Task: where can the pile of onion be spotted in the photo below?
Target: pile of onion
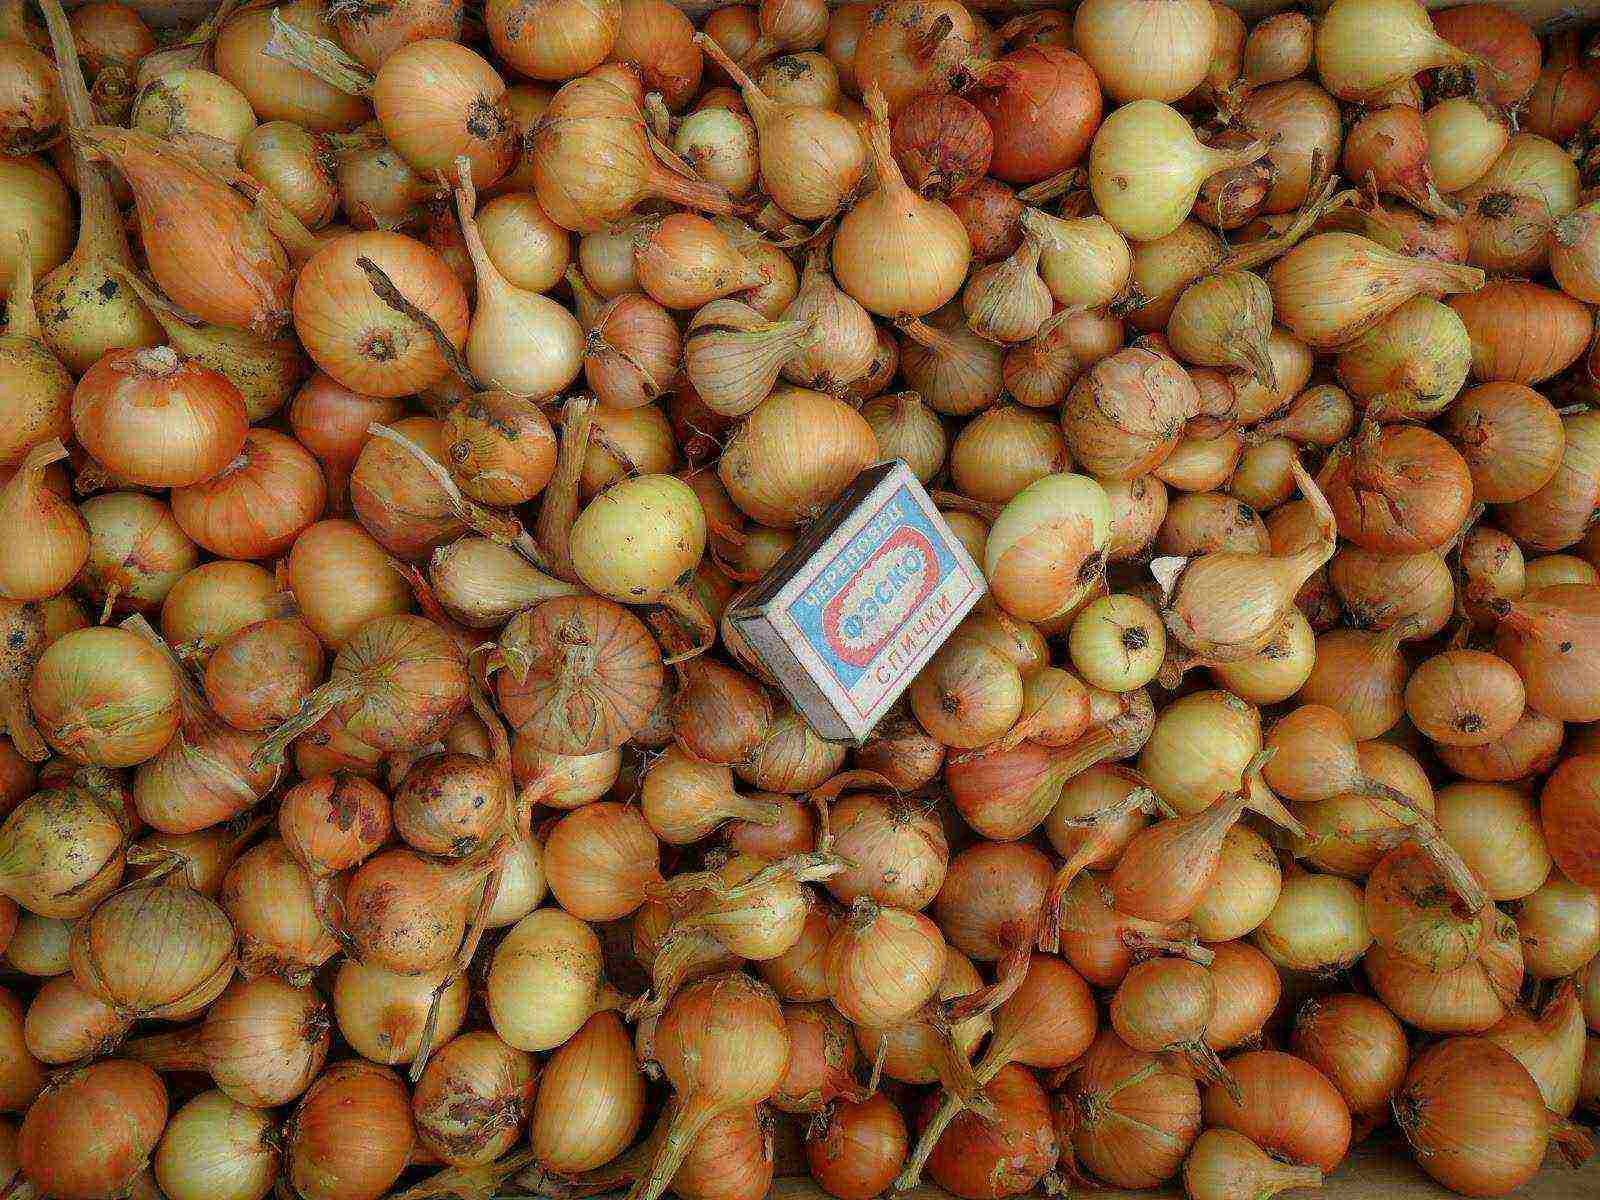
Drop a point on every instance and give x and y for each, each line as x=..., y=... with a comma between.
x=401, y=415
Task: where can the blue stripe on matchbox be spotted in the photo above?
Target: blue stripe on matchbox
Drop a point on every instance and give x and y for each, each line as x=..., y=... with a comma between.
x=892, y=587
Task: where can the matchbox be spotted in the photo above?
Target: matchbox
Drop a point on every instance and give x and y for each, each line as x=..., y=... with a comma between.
x=849, y=615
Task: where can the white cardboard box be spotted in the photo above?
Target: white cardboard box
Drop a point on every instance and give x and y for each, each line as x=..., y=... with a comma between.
x=846, y=619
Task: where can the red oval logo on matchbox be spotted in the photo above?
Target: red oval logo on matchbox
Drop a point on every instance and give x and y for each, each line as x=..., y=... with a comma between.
x=881, y=596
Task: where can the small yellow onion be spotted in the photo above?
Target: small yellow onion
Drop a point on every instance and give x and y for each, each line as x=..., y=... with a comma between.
x=906, y=428
x=1003, y=450
x=215, y=1148
x=1125, y=415
x=1147, y=49
x=732, y=355
x=1146, y=167
x=1333, y=287
x=812, y=159
x=1083, y=261
x=1223, y=320
x=1117, y=643
x=1410, y=365
x=1199, y=749
x=1318, y=924
x=793, y=455
x=1046, y=549
x=1465, y=136
x=968, y=694
x=639, y=542
x=1226, y=606
x=897, y=253
x=1575, y=253
x=519, y=341
x=1006, y=301
x=1244, y=890
x=1366, y=47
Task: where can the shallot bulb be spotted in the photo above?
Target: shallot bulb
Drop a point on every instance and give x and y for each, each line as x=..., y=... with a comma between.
x=895, y=252
x=1333, y=287
x=592, y=163
x=1225, y=605
x=1167, y=867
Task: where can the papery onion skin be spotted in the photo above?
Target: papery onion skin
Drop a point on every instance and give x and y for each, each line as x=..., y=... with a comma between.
x=350, y=1135
x=137, y=551
x=1044, y=109
x=24, y=1074
x=472, y=1099
x=1465, y=697
x=1125, y=415
x=76, y=685
x=1333, y=287
x=272, y=902
x=1474, y=1117
x=1046, y=550
x=896, y=253
x=1569, y=808
x=591, y=163
x=1470, y=999
x=1502, y=317
x=92, y=1132
x=989, y=1162
x=1146, y=50
x=560, y=957
x=396, y=684
x=1137, y=1116
x=258, y=504
x=1497, y=832
x=1358, y=1044
x=1146, y=167
x=185, y=951
x=357, y=339
x=882, y=964
x=65, y=851
x=153, y=419
x=382, y=1015
x=1289, y=1107
x=590, y=674
x=594, y=1067
x=777, y=486
x=368, y=586
x=224, y=266
x=215, y=1148
x=1401, y=490
x=860, y=1150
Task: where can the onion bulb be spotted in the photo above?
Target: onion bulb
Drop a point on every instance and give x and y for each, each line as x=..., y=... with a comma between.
x=1333, y=287
x=1224, y=1165
x=49, y=542
x=1046, y=549
x=92, y=1132
x=519, y=341
x=350, y=1135
x=1366, y=47
x=895, y=252
x=1146, y=167
x=1286, y=1106
x=1146, y=49
x=1475, y=1119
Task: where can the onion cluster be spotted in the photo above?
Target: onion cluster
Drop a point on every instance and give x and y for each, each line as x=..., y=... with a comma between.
x=394, y=399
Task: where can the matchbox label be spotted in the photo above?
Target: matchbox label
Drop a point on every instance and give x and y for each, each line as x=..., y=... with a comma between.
x=899, y=576
x=869, y=611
